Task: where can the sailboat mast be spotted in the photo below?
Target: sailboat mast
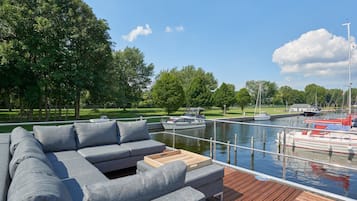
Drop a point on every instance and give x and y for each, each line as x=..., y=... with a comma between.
x=349, y=68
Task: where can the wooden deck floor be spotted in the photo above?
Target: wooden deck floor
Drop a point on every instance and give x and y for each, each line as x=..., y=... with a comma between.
x=243, y=186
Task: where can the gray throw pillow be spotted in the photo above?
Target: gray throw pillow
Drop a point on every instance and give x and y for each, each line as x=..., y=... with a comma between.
x=56, y=138
x=140, y=187
x=17, y=135
x=133, y=131
x=35, y=186
x=28, y=148
x=93, y=134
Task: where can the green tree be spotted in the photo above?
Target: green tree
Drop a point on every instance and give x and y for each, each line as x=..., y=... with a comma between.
x=269, y=89
x=243, y=98
x=58, y=47
x=132, y=76
x=334, y=97
x=315, y=94
x=188, y=74
x=224, y=96
x=199, y=93
x=167, y=92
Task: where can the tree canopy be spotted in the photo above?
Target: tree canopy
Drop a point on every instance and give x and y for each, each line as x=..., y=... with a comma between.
x=205, y=82
x=243, y=98
x=224, y=96
x=168, y=93
x=132, y=76
x=54, y=51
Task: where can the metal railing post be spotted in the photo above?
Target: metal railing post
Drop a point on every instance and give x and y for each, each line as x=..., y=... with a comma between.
x=235, y=148
x=210, y=147
x=214, y=138
x=284, y=157
x=252, y=146
x=228, y=152
x=173, y=139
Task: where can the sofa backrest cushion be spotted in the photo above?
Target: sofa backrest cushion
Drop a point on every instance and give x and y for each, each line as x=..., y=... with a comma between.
x=28, y=148
x=56, y=138
x=17, y=135
x=93, y=134
x=133, y=131
x=33, y=165
x=144, y=186
x=33, y=185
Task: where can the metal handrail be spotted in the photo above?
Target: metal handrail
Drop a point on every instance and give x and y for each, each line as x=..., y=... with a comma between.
x=253, y=149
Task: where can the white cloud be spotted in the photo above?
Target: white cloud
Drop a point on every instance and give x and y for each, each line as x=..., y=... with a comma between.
x=139, y=30
x=179, y=28
x=168, y=29
x=315, y=53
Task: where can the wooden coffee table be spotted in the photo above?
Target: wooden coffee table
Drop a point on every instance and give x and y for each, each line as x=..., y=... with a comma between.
x=192, y=160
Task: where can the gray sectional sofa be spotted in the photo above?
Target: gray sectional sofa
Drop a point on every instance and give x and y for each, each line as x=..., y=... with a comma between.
x=67, y=163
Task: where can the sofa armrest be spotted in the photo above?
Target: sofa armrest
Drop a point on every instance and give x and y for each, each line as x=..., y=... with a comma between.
x=187, y=194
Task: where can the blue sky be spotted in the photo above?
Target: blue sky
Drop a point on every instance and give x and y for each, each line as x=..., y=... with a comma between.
x=291, y=43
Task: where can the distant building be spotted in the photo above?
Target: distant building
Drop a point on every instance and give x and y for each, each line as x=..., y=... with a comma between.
x=301, y=108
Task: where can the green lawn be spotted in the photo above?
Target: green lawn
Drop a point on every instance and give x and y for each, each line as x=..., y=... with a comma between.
x=212, y=113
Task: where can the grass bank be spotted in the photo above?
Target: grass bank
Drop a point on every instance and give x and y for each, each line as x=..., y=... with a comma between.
x=114, y=113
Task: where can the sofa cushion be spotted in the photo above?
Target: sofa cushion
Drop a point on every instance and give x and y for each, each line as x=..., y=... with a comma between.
x=104, y=153
x=196, y=177
x=36, y=187
x=133, y=131
x=72, y=165
x=17, y=135
x=4, y=165
x=56, y=138
x=33, y=165
x=204, y=175
x=145, y=186
x=94, y=134
x=28, y=148
x=187, y=194
x=144, y=147
x=63, y=155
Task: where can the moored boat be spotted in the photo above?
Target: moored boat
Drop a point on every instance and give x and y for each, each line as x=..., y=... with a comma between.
x=191, y=119
x=332, y=135
x=260, y=115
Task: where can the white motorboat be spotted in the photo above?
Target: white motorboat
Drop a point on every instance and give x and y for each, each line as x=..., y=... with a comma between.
x=332, y=135
x=260, y=116
x=191, y=119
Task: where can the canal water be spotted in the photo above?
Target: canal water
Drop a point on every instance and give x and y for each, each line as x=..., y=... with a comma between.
x=332, y=178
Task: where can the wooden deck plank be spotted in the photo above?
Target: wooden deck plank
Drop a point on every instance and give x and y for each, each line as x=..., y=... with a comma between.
x=243, y=186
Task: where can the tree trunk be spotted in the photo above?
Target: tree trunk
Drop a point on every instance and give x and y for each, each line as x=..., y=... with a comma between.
x=40, y=109
x=7, y=101
x=30, y=114
x=46, y=104
x=77, y=104
x=60, y=113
